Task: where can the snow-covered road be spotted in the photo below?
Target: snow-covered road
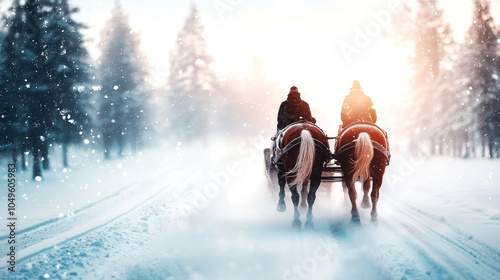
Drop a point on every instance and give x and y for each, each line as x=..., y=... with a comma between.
x=214, y=218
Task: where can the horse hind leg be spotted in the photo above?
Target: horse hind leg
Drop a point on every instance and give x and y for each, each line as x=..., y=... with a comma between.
x=295, y=199
x=355, y=219
x=311, y=197
x=377, y=183
x=303, y=195
x=365, y=203
x=346, y=192
x=281, y=207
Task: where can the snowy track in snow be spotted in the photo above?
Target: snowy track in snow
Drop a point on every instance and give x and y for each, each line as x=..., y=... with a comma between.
x=41, y=237
x=445, y=247
x=141, y=232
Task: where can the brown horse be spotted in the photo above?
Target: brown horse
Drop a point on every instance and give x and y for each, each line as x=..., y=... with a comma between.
x=303, y=149
x=362, y=150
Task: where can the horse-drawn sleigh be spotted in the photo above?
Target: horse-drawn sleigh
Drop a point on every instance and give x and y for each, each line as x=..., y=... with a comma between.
x=301, y=154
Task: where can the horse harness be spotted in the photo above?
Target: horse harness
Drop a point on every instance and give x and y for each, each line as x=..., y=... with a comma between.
x=376, y=146
x=279, y=153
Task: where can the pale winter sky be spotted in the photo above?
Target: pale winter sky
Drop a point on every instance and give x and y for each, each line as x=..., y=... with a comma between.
x=299, y=42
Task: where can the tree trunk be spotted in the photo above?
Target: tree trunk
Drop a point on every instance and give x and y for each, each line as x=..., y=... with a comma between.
x=432, y=146
x=14, y=156
x=490, y=145
x=65, y=144
x=497, y=148
x=107, y=146
x=483, y=146
x=23, y=159
x=454, y=144
x=134, y=147
x=37, y=171
x=120, y=145
x=460, y=147
x=65, y=154
x=45, y=154
x=473, y=146
x=468, y=144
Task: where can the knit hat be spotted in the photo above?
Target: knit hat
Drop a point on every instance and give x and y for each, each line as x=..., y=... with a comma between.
x=294, y=89
x=356, y=85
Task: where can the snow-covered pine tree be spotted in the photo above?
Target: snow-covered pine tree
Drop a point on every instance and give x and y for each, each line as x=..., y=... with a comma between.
x=430, y=37
x=192, y=85
x=27, y=79
x=68, y=63
x=10, y=121
x=123, y=101
x=467, y=120
x=450, y=111
x=479, y=68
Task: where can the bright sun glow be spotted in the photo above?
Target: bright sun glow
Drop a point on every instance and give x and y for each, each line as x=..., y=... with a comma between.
x=298, y=44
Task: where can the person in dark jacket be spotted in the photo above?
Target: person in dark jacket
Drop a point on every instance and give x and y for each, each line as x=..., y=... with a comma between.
x=293, y=109
x=357, y=106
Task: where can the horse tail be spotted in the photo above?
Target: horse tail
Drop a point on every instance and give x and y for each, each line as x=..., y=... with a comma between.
x=364, y=155
x=305, y=160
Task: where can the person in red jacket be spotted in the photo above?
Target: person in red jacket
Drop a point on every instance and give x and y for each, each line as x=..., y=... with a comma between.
x=357, y=107
x=293, y=109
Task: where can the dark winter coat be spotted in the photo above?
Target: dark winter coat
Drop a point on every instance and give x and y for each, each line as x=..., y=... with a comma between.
x=357, y=107
x=293, y=109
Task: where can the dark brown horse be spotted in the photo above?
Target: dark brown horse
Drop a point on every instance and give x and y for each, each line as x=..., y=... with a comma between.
x=303, y=149
x=362, y=150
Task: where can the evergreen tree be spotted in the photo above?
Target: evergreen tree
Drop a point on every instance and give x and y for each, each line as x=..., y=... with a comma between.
x=68, y=63
x=43, y=59
x=27, y=79
x=16, y=71
x=431, y=38
x=480, y=71
x=123, y=100
x=452, y=120
x=8, y=104
x=193, y=89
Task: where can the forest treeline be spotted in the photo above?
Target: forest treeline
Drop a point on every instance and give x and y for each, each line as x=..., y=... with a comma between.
x=453, y=104
x=52, y=93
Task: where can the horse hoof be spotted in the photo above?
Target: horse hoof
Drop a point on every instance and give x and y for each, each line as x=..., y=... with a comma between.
x=355, y=222
x=365, y=204
x=374, y=220
x=281, y=207
x=296, y=224
x=309, y=225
